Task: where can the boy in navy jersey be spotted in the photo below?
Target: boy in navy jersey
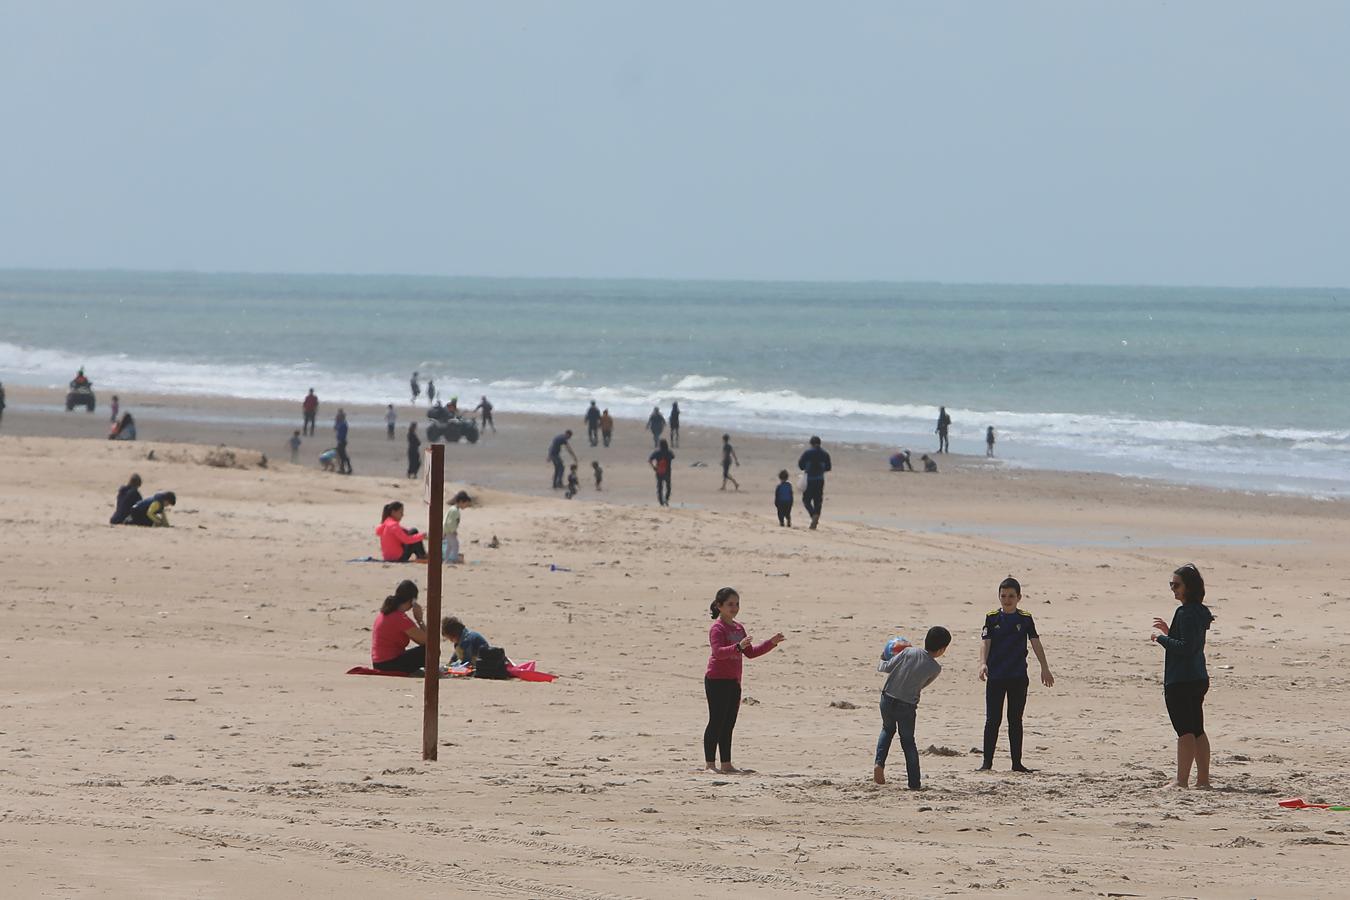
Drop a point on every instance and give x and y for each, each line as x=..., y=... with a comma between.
x=1003, y=669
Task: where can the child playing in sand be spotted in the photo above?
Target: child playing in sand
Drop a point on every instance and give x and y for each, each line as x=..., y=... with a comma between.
x=450, y=534
x=909, y=672
x=573, y=483
x=1003, y=669
x=782, y=499
x=929, y=464
x=722, y=680
x=328, y=459
x=467, y=644
x=599, y=473
x=295, y=447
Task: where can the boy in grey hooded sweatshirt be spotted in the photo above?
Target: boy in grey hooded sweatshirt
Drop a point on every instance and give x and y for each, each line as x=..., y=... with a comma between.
x=909, y=672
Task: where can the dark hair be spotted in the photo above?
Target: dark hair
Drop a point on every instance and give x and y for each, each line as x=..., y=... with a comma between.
x=405, y=591
x=937, y=639
x=134, y=480
x=462, y=497
x=726, y=437
x=723, y=595
x=1011, y=582
x=568, y=432
x=815, y=440
x=783, y=475
x=171, y=498
x=452, y=626
x=1195, y=584
x=665, y=444
x=389, y=508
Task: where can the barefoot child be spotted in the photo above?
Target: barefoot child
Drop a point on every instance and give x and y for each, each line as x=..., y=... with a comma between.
x=573, y=482
x=1003, y=669
x=722, y=680
x=910, y=671
x=599, y=473
x=450, y=530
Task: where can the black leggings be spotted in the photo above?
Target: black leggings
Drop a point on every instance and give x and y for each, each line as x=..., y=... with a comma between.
x=785, y=514
x=418, y=550
x=724, y=702
x=409, y=660
x=663, y=498
x=813, y=498
x=995, y=689
x=1186, y=706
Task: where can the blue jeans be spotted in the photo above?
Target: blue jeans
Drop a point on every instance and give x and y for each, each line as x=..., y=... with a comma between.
x=899, y=715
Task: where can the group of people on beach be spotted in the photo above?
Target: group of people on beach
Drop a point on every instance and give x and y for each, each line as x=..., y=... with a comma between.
x=398, y=636
x=1005, y=636
x=130, y=508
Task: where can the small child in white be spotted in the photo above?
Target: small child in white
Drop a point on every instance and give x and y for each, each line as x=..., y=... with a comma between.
x=450, y=534
x=910, y=671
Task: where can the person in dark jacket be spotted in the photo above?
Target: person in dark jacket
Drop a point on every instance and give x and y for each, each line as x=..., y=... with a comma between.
x=414, y=451
x=593, y=424
x=1185, y=678
x=128, y=495
x=944, y=422
x=152, y=512
x=674, y=424
x=782, y=499
x=656, y=423
x=815, y=462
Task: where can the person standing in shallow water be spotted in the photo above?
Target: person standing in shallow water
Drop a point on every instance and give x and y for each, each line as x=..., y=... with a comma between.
x=1185, y=678
x=416, y=388
x=1003, y=669
x=989, y=441
x=944, y=422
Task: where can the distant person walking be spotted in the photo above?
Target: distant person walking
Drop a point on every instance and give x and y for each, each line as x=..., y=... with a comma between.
x=485, y=408
x=728, y=457
x=675, y=424
x=606, y=426
x=555, y=449
x=782, y=499
x=2, y=406
x=989, y=441
x=656, y=423
x=310, y=408
x=431, y=391
x=593, y=424
x=414, y=451
x=943, y=423
x=1185, y=678
x=815, y=462
x=390, y=420
x=340, y=430
x=416, y=388
x=662, y=461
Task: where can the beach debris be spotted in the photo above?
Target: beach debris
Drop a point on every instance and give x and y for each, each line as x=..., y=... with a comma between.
x=935, y=750
x=842, y=704
x=150, y=455
x=777, y=574
x=169, y=737
x=557, y=568
x=494, y=543
x=221, y=458
x=749, y=701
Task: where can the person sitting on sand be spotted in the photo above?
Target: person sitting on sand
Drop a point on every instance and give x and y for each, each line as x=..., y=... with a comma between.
x=152, y=511
x=124, y=430
x=929, y=464
x=394, y=628
x=398, y=544
x=468, y=644
x=128, y=495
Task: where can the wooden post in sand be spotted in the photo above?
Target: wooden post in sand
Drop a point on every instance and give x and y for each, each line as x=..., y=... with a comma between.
x=435, y=499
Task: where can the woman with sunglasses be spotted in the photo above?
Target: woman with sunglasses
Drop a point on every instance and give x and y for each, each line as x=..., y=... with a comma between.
x=1185, y=679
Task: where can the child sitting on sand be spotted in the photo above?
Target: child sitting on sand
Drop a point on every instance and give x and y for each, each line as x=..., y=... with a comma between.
x=467, y=644
x=909, y=672
x=929, y=464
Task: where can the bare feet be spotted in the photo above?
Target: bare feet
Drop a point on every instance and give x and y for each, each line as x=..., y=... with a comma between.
x=879, y=774
x=1021, y=768
x=1203, y=786
x=729, y=769
x=1175, y=786
x=710, y=767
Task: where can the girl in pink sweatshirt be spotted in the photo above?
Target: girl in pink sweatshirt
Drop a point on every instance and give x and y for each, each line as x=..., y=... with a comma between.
x=722, y=681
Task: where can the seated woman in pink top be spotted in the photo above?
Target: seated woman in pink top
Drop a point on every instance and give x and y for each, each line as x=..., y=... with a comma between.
x=722, y=681
x=394, y=628
x=398, y=544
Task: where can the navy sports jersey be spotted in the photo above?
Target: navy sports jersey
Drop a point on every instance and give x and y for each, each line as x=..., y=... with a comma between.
x=1008, y=634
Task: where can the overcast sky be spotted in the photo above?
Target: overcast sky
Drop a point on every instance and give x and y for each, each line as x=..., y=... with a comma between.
x=1186, y=142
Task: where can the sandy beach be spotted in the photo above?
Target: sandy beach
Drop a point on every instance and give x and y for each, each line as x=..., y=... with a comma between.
x=176, y=721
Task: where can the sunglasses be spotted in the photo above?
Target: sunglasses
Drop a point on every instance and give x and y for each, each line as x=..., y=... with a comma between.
x=1174, y=584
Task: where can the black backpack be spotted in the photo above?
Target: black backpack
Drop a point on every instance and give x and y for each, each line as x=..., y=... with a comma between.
x=490, y=663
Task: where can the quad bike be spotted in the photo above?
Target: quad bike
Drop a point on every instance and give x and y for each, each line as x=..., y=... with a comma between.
x=80, y=395
x=450, y=428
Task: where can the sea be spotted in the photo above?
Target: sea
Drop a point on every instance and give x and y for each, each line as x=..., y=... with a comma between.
x=1243, y=389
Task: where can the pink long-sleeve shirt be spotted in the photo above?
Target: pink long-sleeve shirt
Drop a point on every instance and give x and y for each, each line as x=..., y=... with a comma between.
x=724, y=660
x=393, y=537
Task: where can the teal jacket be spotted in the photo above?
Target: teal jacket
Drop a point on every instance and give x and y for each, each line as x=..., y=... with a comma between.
x=1185, y=644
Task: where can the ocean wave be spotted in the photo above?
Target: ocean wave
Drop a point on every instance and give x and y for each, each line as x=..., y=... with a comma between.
x=1102, y=441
